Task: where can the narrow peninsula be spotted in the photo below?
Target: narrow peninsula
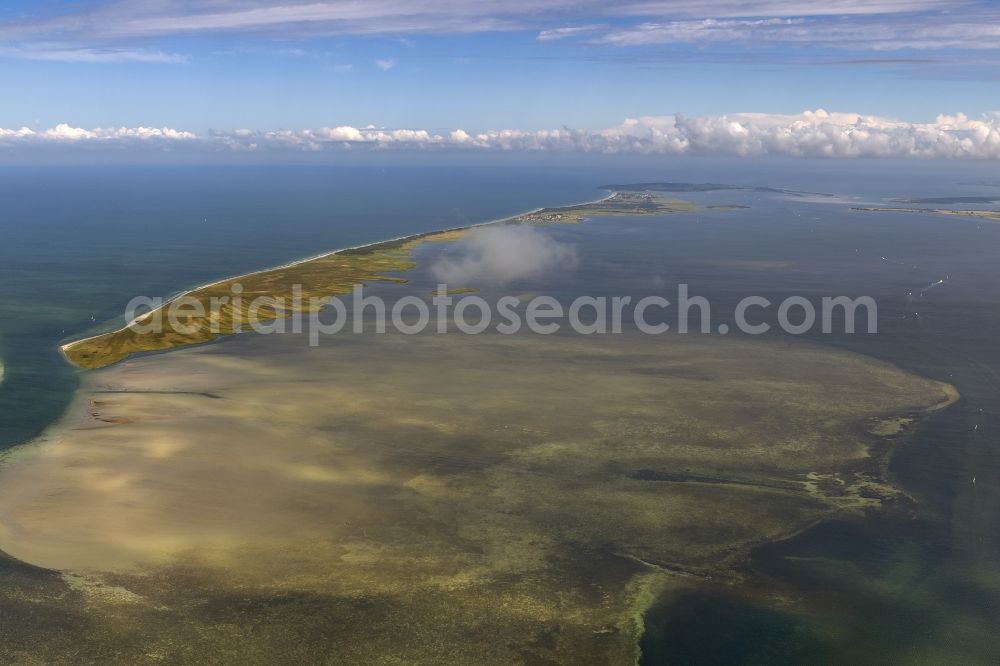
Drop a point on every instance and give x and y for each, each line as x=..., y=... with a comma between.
x=215, y=313
x=986, y=215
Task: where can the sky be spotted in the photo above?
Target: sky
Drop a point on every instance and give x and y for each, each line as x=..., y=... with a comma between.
x=836, y=78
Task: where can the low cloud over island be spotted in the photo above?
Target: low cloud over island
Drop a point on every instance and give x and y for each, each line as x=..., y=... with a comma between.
x=501, y=255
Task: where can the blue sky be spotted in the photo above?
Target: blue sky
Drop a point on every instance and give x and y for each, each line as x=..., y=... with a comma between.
x=216, y=66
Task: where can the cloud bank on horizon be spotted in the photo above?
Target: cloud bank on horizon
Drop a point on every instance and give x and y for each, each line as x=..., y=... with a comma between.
x=809, y=134
x=457, y=68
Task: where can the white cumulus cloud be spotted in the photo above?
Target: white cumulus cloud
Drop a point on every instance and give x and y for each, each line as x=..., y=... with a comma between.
x=65, y=133
x=808, y=134
x=500, y=255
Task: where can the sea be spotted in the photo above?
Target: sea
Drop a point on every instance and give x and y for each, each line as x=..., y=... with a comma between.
x=77, y=242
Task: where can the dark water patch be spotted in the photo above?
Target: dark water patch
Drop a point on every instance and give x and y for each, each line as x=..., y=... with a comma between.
x=36, y=388
x=202, y=394
x=688, y=477
x=887, y=587
x=703, y=629
x=917, y=581
x=845, y=591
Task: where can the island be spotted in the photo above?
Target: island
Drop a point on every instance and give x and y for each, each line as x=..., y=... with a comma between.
x=327, y=275
x=625, y=202
x=949, y=200
x=987, y=215
x=706, y=187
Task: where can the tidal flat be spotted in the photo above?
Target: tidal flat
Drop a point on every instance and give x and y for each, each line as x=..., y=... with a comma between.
x=391, y=499
x=426, y=499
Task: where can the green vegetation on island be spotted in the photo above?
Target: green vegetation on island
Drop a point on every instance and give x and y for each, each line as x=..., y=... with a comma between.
x=988, y=215
x=211, y=311
x=618, y=204
x=948, y=200
x=705, y=187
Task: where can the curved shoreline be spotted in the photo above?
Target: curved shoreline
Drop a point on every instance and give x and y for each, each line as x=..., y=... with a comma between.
x=322, y=255
x=637, y=595
x=227, y=306
x=668, y=601
x=951, y=394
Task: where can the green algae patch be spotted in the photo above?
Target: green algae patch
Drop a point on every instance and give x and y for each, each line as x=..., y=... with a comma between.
x=434, y=499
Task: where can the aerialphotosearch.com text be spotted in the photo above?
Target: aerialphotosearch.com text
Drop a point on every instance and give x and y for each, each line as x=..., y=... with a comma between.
x=472, y=314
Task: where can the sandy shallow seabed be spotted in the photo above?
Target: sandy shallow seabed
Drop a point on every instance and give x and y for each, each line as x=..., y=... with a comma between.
x=433, y=499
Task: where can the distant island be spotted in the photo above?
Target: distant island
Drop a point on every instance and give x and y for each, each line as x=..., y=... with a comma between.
x=988, y=215
x=620, y=203
x=705, y=187
x=949, y=200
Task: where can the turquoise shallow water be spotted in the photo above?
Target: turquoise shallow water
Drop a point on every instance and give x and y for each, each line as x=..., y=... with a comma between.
x=78, y=243
x=920, y=585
